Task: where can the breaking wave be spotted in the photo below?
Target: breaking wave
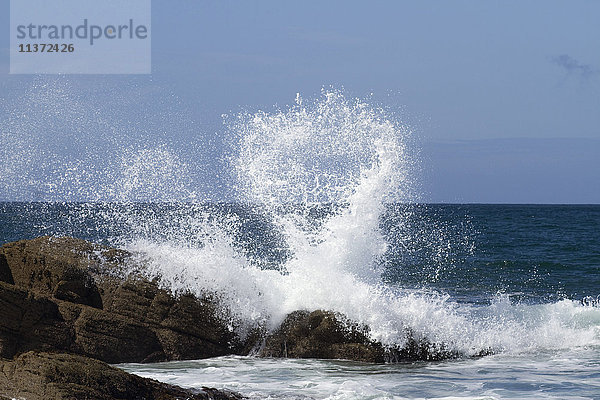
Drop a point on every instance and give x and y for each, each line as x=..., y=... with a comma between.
x=313, y=183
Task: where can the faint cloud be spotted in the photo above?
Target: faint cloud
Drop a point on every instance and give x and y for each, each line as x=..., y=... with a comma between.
x=574, y=67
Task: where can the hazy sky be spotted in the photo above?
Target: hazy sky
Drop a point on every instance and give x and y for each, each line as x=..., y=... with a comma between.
x=503, y=95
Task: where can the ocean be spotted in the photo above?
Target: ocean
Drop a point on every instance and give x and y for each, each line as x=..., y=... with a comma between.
x=523, y=280
x=325, y=215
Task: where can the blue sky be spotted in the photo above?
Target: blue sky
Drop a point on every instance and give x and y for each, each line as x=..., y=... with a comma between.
x=504, y=96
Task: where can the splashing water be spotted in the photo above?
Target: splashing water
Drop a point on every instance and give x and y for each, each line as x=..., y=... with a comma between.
x=350, y=156
x=333, y=151
x=336, y=151
x=319, y=177
x=73, y=140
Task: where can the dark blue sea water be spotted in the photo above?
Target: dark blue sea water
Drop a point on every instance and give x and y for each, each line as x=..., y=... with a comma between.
x=533, y=252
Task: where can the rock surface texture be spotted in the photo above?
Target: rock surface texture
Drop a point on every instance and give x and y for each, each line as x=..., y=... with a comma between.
x=40, y=375
x=71, y=295
x=67, y=306
x=321, y=334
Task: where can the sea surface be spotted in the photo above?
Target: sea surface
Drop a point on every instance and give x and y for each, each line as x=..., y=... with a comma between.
x=521, y=279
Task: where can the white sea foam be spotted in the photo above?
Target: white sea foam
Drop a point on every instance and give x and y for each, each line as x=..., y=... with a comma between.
x=345, y=152
x=549, y=375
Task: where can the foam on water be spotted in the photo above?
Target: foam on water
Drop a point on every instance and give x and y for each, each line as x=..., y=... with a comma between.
x=548, y=375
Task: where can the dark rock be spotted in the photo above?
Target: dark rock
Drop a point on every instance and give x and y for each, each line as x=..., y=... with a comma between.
x=41, y=375
x=55, y=267
x=186, y=326
x=422, y=349
x=113, y=338
x=419, y=350
x=69, y=296
x=30, y=322
x=5, y=274
x=321, y=334
x=77, y=296
x=329, y=335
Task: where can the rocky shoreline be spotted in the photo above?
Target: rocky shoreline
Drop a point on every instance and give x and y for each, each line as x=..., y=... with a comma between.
x=44, y=375
x=69, y=308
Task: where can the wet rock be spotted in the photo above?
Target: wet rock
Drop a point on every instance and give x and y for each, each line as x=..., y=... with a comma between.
x=42, y=375
x=321, y=334
x=5, y=274
x=419, y=350
x=55, y=267
x=28, y=321
x=329, y=335
x=72, y=295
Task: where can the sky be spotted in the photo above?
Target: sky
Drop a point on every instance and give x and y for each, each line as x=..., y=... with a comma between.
x=502, y=96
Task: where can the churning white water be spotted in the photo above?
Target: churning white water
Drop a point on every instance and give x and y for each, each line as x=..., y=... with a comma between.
x=569, y=375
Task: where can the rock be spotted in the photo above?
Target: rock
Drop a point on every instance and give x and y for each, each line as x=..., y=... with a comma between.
x=321, y=334
x=187, y=327
x=58, y=267
x=419, y=350
x=72, y=295
x=30, y=322
x=60, y=296
x=329, y=335
x=113, y=338
x=42, y=375
x=5, y=274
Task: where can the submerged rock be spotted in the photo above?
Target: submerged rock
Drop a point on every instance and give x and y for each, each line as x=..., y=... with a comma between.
x=41, y=375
